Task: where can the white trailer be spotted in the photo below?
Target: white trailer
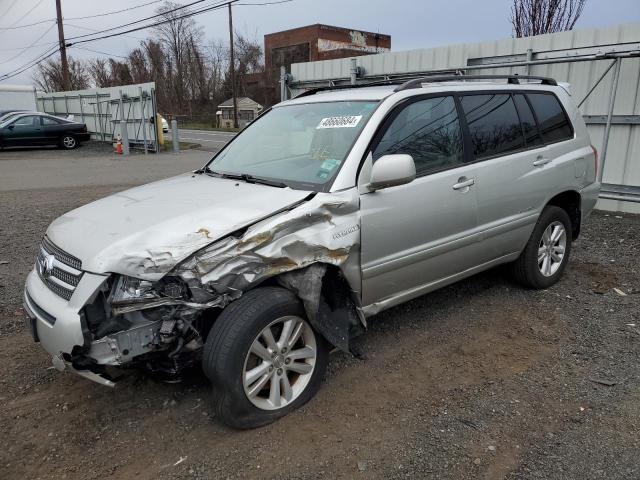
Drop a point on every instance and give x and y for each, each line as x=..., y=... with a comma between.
x=19, y=97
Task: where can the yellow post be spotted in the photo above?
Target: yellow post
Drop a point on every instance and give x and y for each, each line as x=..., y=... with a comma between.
x=159, y=129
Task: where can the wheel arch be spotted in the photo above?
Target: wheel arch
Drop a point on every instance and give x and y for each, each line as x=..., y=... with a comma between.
x=331, y=304
x=571, y=202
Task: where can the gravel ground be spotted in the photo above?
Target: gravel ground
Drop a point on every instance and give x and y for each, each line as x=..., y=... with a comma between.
x=481, y=379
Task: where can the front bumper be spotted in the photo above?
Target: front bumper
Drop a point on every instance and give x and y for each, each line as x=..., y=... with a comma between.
x=55, y=322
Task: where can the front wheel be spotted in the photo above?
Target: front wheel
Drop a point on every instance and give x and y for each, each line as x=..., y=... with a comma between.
x=546, y=254
x=68, y=142
x=263, y=358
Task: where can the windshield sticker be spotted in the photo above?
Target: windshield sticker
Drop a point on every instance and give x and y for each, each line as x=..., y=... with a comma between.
x=346, y=121
x=327, y=167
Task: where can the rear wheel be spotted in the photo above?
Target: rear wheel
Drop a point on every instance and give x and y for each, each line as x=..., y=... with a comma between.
x=546, y=254
x=263, y=358
x=68, y=142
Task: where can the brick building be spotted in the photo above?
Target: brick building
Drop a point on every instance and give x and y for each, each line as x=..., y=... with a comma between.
x=315, y=42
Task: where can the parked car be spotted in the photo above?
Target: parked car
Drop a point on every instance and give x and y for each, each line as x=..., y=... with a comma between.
x=326, y=210
x=165, y=125
x=32, y=128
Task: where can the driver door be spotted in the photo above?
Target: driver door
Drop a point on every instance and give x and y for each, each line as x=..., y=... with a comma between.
x=24, y=131
x=418, y=235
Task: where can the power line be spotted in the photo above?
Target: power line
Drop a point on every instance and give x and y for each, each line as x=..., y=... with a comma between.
x=141, y=20
x=29, y=24
x=12, y=27
x=48, y=53
x=13, y=49
x=97, y=31
x=265, y=3
x=30, y=46
x=23, y=16
x=100, y=53
x=115, y=11
x=11, y=5
x=150, y=25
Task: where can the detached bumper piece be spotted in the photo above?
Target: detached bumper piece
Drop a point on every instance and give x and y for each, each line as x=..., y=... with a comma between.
x=61, y=365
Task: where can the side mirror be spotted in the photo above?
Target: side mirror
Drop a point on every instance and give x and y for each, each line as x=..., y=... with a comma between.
x=392, y=170
x=10, y=127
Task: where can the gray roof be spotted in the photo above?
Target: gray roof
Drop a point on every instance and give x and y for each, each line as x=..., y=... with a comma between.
x=244, y=102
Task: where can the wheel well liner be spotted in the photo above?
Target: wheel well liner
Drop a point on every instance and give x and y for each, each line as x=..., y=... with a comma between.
x=328, y=301
x=570, y=201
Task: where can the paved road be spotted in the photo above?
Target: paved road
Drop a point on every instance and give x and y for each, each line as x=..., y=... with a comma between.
x=86, y=166
x=211, y=141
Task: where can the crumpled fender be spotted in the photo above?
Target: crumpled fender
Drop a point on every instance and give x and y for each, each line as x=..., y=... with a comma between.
x=322, y=231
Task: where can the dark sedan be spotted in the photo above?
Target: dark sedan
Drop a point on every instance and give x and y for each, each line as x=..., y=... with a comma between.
x=28, y=129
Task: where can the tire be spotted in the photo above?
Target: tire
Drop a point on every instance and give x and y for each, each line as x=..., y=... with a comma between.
x=528, y=269
x=68, y=142
x=229, y=355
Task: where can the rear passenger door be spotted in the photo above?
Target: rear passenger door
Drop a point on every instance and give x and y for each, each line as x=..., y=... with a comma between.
x=417, y=234
x=514, y=169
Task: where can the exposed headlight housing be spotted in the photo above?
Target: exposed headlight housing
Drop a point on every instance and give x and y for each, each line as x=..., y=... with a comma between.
x=127, y=290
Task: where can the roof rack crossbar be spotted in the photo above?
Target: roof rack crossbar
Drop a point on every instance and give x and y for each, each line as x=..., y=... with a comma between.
x=315, y=90
x=512, y=79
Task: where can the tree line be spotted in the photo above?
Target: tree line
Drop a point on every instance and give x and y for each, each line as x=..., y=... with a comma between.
x=191, y=75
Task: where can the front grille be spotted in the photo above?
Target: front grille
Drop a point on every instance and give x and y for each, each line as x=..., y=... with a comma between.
x=61, y=255
x=58, y=270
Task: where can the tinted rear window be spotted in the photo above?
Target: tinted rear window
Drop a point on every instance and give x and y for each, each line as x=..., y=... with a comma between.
x=553, y=122
x=529, y=127
x=493, y=124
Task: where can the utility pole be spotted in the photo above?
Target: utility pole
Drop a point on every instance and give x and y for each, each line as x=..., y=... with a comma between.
x=63, y=49
x=232, y=67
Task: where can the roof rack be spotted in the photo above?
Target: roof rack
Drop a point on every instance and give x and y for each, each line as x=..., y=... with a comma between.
x=512, y=79
x=313, y=91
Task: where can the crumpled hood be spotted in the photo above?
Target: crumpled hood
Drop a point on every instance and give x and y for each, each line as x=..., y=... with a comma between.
x=147, y=230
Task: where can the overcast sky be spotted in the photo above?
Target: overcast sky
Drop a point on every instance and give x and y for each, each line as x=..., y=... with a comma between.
x=411, y=23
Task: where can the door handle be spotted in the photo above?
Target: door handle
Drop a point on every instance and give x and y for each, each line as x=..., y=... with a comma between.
x=540, y=160
x=464, y=182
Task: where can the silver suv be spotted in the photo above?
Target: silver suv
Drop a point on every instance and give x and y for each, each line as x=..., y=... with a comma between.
x=326, y=210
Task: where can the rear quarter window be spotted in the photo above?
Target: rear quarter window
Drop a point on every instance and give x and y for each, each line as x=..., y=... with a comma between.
x=552, y=119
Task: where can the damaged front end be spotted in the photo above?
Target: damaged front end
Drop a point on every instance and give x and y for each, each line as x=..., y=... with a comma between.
x=311, y=248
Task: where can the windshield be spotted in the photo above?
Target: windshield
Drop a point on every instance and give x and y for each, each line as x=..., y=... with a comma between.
x=7, y=119
x=301, y=146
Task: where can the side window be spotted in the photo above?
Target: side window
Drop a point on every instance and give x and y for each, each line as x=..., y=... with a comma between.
x=553, y=122
x=46, y=121
x=529, y=127
x=493, y=124
x=429, y=131
x=25, y=122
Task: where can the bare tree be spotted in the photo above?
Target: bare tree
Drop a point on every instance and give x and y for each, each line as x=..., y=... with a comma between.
x=177, y=35
x=99, y=72
x=217, y=56
x=535, y=17
x=48, y=76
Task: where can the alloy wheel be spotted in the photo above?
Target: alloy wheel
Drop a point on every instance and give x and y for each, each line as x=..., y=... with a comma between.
x=69, y=142
x=552, y=248
x=276, y=372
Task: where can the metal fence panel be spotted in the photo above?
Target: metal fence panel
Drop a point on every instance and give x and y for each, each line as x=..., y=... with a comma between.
x=106, y=110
